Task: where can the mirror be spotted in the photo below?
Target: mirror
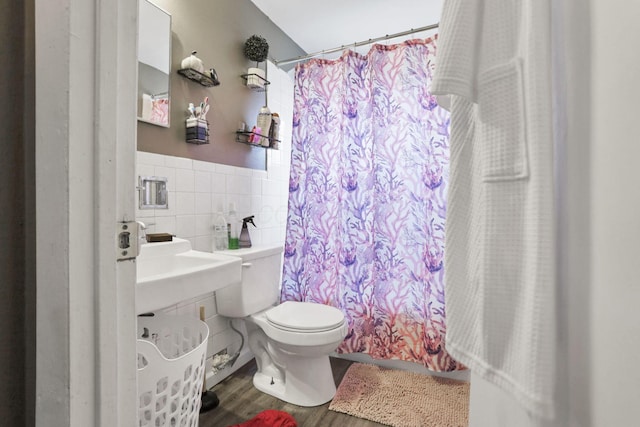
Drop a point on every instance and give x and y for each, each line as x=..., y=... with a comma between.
x=154, y=63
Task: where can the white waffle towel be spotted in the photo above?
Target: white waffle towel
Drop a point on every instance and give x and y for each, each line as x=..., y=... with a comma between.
x=494, y=65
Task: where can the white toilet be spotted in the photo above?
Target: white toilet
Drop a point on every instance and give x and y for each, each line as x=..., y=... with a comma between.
x=291, y=341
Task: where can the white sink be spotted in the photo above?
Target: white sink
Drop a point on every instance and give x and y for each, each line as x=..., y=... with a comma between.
x=170, y=272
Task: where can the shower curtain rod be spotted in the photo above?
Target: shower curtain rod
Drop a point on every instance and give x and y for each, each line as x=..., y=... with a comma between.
x=362, y=43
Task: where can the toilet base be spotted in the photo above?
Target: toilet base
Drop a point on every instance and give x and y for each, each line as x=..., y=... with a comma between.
x=308, y=382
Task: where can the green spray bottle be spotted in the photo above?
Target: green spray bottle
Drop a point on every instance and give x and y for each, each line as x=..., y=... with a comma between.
x=233, y=227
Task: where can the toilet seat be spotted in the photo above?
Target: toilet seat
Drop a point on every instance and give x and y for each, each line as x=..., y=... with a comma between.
x=300, y=324
x=303, y=317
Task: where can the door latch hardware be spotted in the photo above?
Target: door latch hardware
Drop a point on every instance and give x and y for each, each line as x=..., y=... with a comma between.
x=127, y=240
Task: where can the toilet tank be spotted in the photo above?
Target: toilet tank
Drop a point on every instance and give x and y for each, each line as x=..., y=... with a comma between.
x=260, y=285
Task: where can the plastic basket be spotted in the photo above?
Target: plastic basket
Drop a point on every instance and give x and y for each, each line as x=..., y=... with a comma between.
x=171, y=361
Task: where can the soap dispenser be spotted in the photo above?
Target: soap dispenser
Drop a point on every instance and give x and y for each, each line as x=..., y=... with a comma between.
x=245, y=239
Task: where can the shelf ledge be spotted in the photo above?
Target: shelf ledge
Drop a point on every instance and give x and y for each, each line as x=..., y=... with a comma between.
x=253, y=86
x=243, y=138
x=198, y=77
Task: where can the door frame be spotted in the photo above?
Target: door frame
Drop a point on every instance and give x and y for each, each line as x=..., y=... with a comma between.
x=86, y=73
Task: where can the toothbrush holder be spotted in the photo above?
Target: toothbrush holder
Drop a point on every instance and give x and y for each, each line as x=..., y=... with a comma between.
x=197, y=131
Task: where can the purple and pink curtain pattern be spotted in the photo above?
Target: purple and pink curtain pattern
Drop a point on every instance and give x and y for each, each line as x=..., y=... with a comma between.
x=365, y=228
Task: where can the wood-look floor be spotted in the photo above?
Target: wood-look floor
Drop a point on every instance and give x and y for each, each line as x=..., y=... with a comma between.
x=240, y=401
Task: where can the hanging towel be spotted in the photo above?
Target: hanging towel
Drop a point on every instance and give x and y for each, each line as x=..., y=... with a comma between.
x=494, y=66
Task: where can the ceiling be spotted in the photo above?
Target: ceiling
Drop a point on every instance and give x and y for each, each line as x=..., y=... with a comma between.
x=317, y=25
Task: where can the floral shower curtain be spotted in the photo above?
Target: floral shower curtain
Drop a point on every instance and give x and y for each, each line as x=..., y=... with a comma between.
x=365, y=228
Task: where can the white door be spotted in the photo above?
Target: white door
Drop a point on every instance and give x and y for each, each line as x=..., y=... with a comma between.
x=85, y=113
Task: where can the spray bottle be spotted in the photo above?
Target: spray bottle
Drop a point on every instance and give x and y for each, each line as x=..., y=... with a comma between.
x=245, y=239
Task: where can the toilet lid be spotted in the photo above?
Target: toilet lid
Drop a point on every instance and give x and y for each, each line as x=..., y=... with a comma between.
x=305, y=316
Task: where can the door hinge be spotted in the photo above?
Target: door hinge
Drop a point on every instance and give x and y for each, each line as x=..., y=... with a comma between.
x=127, y=242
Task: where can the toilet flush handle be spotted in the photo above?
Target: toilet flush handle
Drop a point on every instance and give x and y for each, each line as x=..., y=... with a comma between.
x=246, y=264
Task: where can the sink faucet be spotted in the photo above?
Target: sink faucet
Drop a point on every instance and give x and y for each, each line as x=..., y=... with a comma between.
x=143, y=231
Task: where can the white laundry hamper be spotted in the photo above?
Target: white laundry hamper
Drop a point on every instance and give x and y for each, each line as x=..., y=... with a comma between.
x=171, y=361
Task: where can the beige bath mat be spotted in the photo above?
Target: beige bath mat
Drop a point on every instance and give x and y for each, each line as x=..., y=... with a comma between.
x=402, y=399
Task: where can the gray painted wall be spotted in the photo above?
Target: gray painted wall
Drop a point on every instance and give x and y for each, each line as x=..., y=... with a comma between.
x=17, y=221
x=217, y=31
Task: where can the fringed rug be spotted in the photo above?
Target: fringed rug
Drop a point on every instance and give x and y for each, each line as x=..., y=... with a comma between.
x=402, y=399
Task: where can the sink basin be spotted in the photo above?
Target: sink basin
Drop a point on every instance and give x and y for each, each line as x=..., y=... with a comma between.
x=170, y=272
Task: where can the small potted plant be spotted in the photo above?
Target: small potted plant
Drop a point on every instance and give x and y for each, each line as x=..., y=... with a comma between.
x=256, y=49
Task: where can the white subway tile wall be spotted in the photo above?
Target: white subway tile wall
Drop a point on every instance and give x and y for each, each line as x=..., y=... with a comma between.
x=197, y=190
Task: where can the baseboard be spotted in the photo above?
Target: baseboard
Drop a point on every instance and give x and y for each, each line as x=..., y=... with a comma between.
x=402, y=365
x=246, y=356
